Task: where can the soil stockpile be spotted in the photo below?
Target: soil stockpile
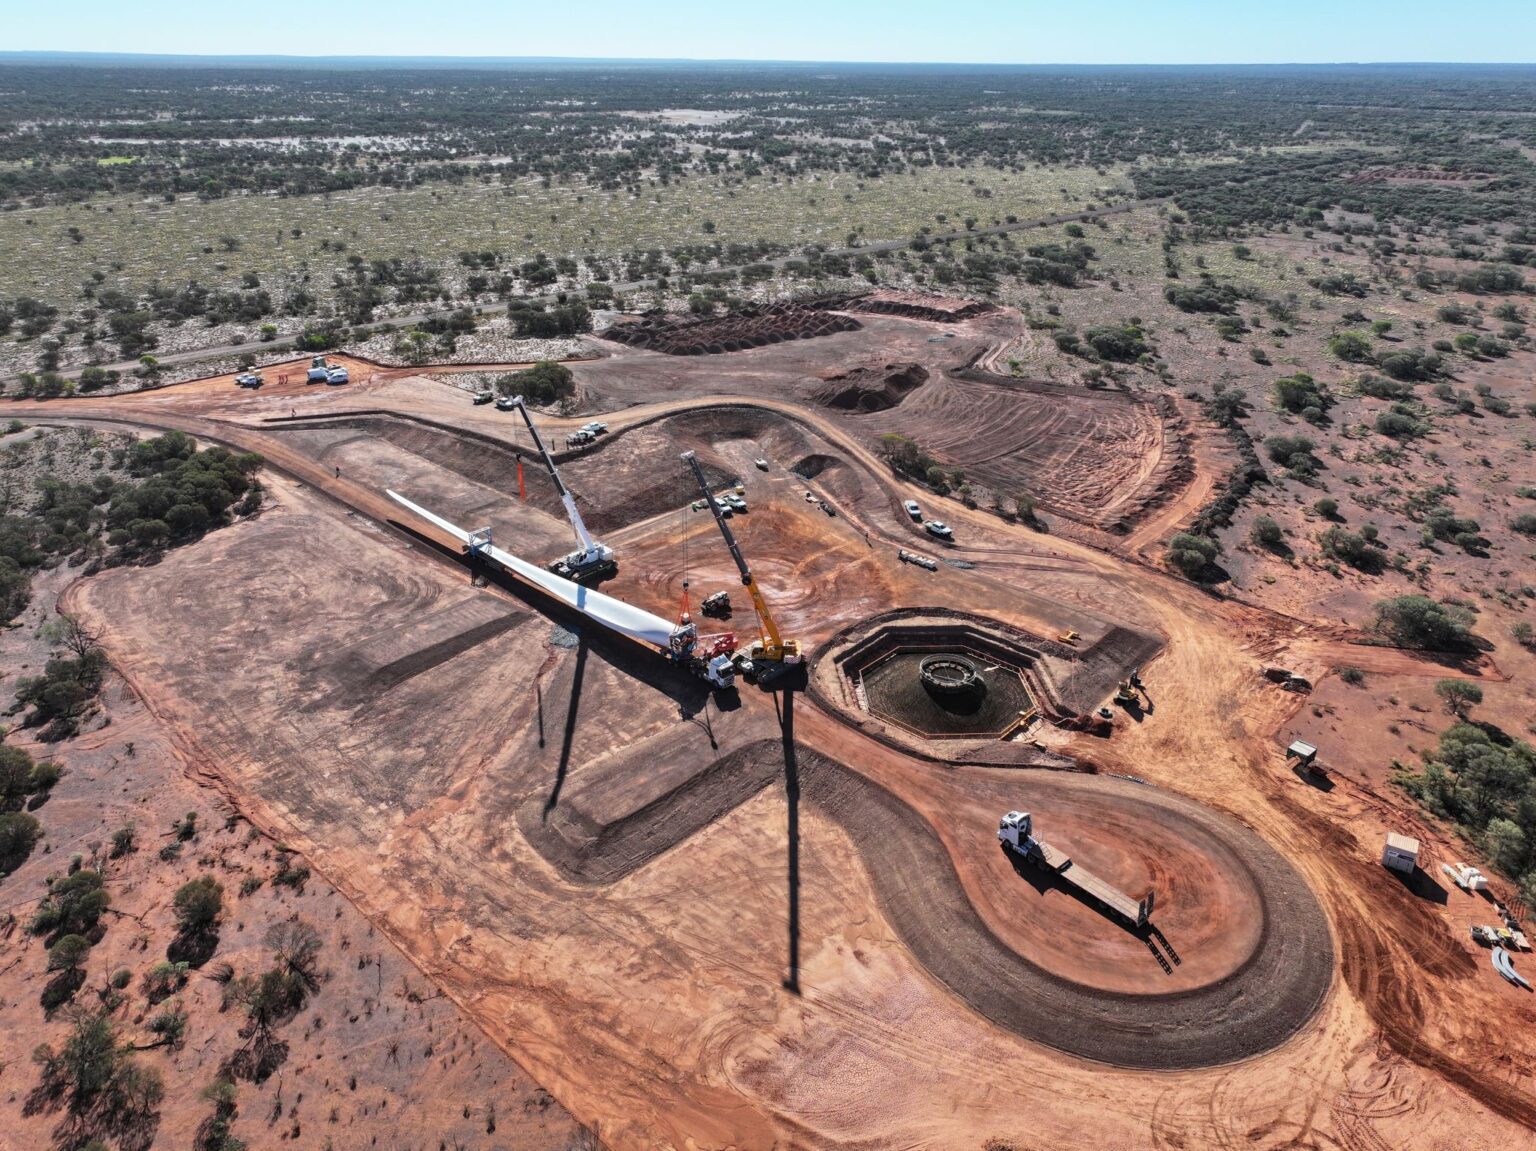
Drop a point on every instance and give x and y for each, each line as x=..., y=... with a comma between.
x=714, y=335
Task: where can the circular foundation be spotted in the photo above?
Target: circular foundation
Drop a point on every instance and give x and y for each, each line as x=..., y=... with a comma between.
x=937, y=675
x=950, y=676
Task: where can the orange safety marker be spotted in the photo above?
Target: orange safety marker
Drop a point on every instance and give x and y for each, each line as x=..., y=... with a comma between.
x=522, y=492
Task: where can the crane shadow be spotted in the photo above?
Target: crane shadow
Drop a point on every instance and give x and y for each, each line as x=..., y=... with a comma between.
x=784, y=704
x=577, y=675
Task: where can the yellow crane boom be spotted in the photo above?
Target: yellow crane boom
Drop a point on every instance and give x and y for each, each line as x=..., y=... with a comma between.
x=773, y=646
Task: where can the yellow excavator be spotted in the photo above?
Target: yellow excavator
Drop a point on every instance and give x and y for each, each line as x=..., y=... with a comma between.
x=772, y=652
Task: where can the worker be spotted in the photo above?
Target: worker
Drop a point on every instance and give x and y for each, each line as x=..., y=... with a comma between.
x=338, y=471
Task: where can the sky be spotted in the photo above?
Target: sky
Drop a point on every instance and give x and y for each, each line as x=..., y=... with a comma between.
x=947, y=31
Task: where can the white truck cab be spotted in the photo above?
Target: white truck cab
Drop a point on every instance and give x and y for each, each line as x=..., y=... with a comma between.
x=1014, y=830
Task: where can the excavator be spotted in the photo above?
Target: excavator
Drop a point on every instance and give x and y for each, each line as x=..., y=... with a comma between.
x=591, y=562
x=772, y=653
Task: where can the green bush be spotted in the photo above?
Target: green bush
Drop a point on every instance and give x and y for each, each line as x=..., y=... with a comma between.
x=543, y=384
x=1300, y=392
x=1352, y=347
x=1266, y=533
x=1193, y=555
x=1416, y=621
x=19, y=833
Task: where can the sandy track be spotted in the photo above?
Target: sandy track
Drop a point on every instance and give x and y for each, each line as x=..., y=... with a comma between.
x=867, y=1056
x=1262, y=1004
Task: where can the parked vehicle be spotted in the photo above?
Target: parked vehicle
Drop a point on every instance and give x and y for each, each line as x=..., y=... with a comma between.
x=484, y=397
x=506, y=403
x=761, y=464
x=939, y=529
x=337, y=376
x=911, y=508
x=595, y=428
x=248, y=380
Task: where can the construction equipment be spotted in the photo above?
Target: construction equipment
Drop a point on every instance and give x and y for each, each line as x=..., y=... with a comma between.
x=1015, y=831
x=591, y=560
x=1466, y=877
x=717, y=605
x=319, y=371
x=1506, y=967
x=1069, y=637
x=772, y=648
x=708, y=657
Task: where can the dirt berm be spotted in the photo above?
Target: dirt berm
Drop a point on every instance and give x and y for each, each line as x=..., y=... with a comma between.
x=623, y=819
x=1257, y=1007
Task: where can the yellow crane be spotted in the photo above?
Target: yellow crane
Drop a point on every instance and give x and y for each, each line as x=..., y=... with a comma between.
x=772, y=647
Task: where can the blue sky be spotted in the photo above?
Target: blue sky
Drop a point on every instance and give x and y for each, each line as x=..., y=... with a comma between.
x=983, y=31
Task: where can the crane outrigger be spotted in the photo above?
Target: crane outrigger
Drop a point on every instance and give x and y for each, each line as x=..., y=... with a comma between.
x=772, y=648
x=591, y=561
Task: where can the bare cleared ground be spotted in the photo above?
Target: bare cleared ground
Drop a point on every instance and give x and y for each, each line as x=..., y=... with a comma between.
x=654, y=998
x=377, y=1058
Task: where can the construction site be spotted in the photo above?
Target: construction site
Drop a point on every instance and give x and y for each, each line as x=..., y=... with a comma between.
x=744, y=809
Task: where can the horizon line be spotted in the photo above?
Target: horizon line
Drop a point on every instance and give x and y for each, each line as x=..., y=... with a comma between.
x=89, y=56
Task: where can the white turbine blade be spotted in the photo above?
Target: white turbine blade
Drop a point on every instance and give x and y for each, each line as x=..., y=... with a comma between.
x=615, y=614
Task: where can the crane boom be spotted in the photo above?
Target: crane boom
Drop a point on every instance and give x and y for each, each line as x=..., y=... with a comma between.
x=774, y=646
x=589, y=552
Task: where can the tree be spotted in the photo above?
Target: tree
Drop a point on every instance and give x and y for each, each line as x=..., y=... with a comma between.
x=106, y=1092
x=19, y=833
x=73, y=906
x=1459, y=696
x=1266, y=533
x=544, y=383
x=68, y=953
x=15, y=777
x=198, y=904
x=1327, y=507
x=1191, y=554
x=74, y=634
x=1301, y=392
x=1417, y=621
x=1352, y=347
x=1506, y=843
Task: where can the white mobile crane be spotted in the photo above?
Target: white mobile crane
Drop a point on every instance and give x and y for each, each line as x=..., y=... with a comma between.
x=591, y=560
x=772, y=653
